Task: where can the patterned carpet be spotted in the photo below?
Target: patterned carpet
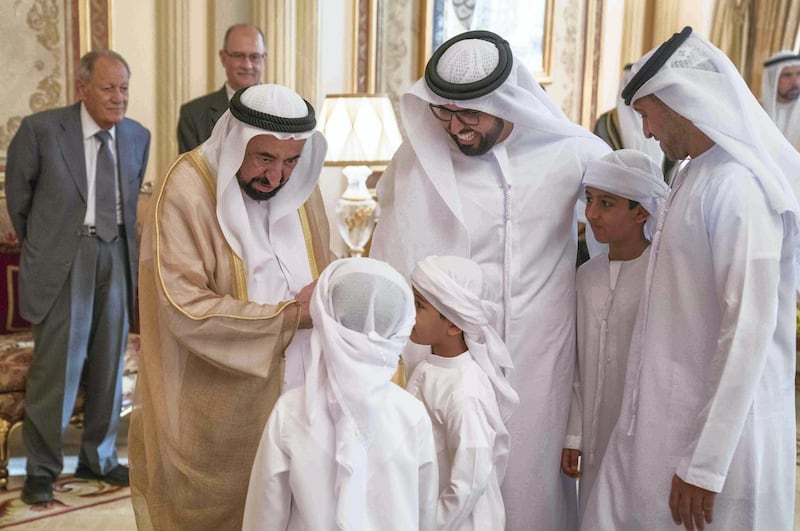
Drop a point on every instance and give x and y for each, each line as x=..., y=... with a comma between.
x=71, y=494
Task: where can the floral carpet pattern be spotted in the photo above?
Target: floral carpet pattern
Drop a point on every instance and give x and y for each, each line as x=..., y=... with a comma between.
x=70, y=494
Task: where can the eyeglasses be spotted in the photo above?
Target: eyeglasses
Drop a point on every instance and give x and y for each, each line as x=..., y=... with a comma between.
x=239, y=56
x=465, y=116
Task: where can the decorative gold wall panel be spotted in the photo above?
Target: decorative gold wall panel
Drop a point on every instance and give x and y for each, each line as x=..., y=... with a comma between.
x=402, y=47
x=41, y=42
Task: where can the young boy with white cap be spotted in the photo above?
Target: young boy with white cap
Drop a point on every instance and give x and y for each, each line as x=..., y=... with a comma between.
x=464, y=388
x=623, y=191
x=349, y=449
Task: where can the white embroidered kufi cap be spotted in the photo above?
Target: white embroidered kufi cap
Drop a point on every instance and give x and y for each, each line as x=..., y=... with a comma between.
x=468, y=61
x=277, y=101
x=469, y=65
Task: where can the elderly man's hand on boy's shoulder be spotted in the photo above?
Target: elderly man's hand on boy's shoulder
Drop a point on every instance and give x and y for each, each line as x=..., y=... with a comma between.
x=303, y=298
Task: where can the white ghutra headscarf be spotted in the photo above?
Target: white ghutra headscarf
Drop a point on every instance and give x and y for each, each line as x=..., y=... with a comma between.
x=265, y=234
x=700, y=83
x=630, y=126
x=786, y=116
x=363, y=312
x=454, y=286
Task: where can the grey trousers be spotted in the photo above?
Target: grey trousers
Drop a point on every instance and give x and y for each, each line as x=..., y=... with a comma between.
x=85, y=331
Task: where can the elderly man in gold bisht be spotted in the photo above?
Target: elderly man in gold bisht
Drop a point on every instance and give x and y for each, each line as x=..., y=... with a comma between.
x=230, y=253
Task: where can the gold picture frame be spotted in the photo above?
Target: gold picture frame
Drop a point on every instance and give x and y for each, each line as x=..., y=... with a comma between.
x=365, y=39
x=532, y=43
x=48, y=38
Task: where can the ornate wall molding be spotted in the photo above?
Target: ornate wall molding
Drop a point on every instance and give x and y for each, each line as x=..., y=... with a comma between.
x=278, y=20
x=397, y=64
x=44, y=40
x=400, y=58
x=99, y=30
x=307, y=56
x=172, y=56
x=365, y=45
x=568, y=48
x=638, y=24
x=593, y=36
x=290, y=30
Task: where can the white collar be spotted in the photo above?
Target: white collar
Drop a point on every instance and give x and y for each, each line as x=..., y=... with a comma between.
x=450, y=362
x=229, y=90
x=89, y=127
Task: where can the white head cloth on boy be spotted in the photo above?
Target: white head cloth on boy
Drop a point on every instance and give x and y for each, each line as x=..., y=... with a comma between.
x=633, y=175
x=363, y=312
x=453, y=285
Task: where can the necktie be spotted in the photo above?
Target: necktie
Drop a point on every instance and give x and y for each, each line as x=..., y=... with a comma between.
x=105, y=213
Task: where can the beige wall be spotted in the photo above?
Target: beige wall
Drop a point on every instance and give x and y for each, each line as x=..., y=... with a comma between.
x=131, y=36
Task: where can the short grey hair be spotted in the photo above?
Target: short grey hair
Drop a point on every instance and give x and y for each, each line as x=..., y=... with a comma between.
x=86, y=65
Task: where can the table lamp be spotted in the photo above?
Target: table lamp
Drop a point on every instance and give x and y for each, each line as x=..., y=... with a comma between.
x=362, y=134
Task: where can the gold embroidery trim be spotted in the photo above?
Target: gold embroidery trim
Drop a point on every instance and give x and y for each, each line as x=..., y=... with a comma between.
x=237, y=264
x=199, y=164
x=312, y=258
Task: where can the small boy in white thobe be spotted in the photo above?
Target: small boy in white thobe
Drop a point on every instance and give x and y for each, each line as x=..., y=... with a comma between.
x=349, y=450
x=623, y=190
x=464, y=389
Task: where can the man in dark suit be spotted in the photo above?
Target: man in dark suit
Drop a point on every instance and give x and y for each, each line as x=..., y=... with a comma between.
x=243, y=56
x=72, y=180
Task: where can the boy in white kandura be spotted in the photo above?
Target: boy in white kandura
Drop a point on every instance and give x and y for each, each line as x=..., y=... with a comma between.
x=623, y=190
x=349, y=449
x=464, y=388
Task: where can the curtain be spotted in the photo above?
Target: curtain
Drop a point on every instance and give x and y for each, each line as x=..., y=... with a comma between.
x=291, y=28
x=749, y=31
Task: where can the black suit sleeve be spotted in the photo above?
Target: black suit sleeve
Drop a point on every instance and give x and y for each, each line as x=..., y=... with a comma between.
x=188, y=137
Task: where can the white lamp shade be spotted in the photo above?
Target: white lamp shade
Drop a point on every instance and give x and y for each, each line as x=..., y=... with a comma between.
x=360, y=129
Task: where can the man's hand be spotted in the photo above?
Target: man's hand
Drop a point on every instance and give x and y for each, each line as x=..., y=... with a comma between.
x=303, y=298
x=569, y=462
x=691, y=506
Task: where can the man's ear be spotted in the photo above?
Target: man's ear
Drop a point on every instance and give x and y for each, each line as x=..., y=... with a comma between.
x=80, y=88
x=641, y=214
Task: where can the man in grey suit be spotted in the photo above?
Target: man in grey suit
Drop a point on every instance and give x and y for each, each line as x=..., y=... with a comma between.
x=243, y=56
x=72, y=180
